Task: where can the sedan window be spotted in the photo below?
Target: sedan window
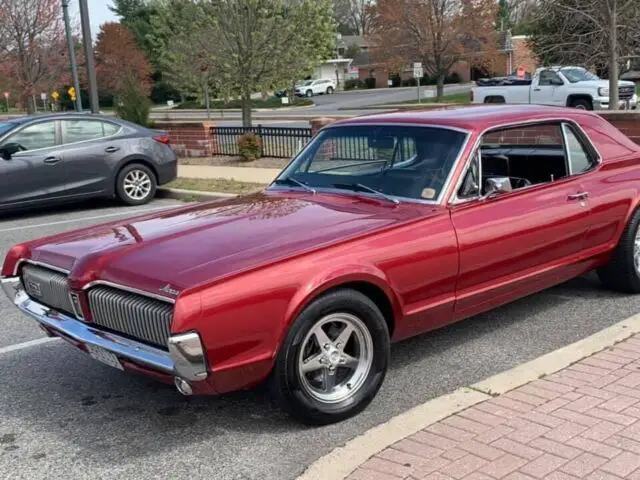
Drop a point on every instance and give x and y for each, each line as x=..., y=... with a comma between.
x=400, y=161
x=83, y=130
x=35, y=136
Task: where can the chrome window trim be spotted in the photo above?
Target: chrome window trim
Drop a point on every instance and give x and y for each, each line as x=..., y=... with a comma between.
x=445, y=185
x=129, y=289
x=455, y=200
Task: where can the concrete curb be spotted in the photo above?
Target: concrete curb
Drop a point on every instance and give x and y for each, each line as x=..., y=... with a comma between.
x=339, y=463
x=195, y=195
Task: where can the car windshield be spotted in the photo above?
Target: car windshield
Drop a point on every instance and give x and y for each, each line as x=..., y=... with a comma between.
x=384, y=160
x=575, y=75
x=5, y=127
x=308, y=82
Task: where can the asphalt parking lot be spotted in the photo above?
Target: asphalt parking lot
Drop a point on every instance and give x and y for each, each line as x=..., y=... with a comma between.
x=63, y=415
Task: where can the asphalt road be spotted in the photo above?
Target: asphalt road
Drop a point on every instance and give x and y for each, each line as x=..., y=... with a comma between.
x=63, y=415
x=344, y=103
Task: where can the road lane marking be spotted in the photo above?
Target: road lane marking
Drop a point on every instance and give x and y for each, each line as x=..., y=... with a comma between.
x=32, y=343
x=84, y=219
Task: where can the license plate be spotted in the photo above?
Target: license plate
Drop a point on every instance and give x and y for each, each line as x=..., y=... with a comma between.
x=104, y=356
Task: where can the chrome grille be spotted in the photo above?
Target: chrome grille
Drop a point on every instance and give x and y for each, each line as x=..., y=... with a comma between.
x=626, y=93
x=134, y=315
x=47, y=287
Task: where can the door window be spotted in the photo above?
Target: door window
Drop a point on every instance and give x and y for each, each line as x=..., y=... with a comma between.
x=84, y=130
x=580, y=159
x=36, y=136
x=549, y=77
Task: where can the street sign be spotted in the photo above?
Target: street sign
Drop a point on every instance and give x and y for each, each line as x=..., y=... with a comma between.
x=417, y=70
x=55, y=95
x=43, y=97
x=72, y=93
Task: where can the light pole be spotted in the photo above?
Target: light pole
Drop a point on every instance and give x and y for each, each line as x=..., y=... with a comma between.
x=72, y=54
x=88, y=53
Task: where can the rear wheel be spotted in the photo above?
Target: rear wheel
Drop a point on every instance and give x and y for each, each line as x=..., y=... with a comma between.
x=334, y=359
x=622, y=273
x=329, y=90
x=136, y=184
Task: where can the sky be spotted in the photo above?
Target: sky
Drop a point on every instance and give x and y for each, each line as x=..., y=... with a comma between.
x=99, y=13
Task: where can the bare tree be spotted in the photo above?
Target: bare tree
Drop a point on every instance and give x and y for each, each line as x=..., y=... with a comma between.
x=438, y=33
x=355, y=14
x=600, y=34
x=32, y=44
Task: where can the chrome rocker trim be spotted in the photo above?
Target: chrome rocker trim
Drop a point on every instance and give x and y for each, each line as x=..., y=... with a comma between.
x=185, y=358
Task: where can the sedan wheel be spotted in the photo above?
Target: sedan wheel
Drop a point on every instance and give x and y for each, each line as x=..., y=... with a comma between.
x=309, y=93
x=136, y=184
x=333, y=360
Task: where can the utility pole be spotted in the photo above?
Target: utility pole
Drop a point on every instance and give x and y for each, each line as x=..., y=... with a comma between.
x=88, y=53
x=72, y=54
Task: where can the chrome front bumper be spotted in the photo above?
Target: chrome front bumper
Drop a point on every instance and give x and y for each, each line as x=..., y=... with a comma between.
x=185, y=358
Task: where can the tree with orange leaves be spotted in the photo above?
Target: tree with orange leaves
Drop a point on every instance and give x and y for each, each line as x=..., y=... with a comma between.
x=120, y=62
x=438, y=33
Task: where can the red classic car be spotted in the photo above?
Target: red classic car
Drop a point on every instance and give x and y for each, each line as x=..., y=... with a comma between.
x=381, y=228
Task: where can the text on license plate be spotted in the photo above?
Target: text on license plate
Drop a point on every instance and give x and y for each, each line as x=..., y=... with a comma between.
x=104, y=356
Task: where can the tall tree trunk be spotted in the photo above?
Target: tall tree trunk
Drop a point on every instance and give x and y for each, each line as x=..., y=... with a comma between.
x=613, y=55
x=31, y=106
x=246, y=107
x=440, y=85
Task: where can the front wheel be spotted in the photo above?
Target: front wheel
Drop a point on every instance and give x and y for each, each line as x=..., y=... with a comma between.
x=333, y=360
x=622, y=272
x=136, y=184
x=309, y=93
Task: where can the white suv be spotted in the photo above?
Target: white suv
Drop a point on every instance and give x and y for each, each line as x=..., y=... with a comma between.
x=310, y=88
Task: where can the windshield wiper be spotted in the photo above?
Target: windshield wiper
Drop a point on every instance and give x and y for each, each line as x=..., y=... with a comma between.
x=293, y=181
x=365, y=188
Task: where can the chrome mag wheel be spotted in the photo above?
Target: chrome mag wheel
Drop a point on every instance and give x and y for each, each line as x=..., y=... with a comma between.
x=335, y=358
x=137, y=185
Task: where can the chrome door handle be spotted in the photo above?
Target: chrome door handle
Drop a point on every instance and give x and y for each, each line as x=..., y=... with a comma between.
x=111, y=149
x=52, y=160
x=536, y=89
x=579, y=196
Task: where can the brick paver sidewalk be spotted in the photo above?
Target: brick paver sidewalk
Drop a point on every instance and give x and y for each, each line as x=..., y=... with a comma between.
x=581, y=422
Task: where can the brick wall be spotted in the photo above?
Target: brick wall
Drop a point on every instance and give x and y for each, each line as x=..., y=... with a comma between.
x=189, y=139
x=523, y=56
x=627, y=122
x=535, y=135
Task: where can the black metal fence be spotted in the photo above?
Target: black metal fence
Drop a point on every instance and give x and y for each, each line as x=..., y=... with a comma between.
x=276, y=142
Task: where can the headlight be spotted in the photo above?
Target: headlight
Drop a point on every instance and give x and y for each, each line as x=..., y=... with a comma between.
x=603, y=91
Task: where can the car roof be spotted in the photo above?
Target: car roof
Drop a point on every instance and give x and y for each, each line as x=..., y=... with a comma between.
x=472, y=118
x=58, y=116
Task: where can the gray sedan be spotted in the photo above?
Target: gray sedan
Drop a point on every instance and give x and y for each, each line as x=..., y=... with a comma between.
x=47, y=159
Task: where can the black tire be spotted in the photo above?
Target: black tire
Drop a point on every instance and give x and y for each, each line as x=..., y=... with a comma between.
x=621, y=274
x=582, y=104
x=329, y=90
x=309, y=93
x=286, y=383
x=123, y=192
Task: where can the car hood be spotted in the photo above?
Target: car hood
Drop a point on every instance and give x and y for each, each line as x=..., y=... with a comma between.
x=184, y=247
x=604, y=83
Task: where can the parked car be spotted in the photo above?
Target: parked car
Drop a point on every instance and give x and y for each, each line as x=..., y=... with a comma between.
x=383, y=227
x=568, y=86
x=47, y=159
x=310, y=88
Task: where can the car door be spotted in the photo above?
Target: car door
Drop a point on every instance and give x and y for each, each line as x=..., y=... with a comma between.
x=37, y=172
x=89, y=148
x=519, y=242
x=548, y=89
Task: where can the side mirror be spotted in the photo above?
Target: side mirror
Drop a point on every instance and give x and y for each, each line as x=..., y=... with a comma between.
x=10, y=149
x=497, y=185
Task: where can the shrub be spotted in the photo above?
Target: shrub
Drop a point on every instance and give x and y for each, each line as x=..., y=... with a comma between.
x=453, y=78
x=249, y=147
x=370, y=82
x=133, y=105
x=353, y=84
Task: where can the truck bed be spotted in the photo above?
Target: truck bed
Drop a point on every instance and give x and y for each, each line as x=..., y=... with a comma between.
x=502, y=82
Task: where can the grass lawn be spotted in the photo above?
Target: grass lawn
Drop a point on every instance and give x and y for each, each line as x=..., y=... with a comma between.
x=271, y=102
x=220, y=185
x=462, y=98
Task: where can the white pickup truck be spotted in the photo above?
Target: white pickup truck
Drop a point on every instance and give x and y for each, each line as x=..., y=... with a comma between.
x=561, y=86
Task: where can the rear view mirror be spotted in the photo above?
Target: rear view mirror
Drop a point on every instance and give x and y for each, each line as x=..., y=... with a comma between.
x=9, y=149
x=382, y=142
